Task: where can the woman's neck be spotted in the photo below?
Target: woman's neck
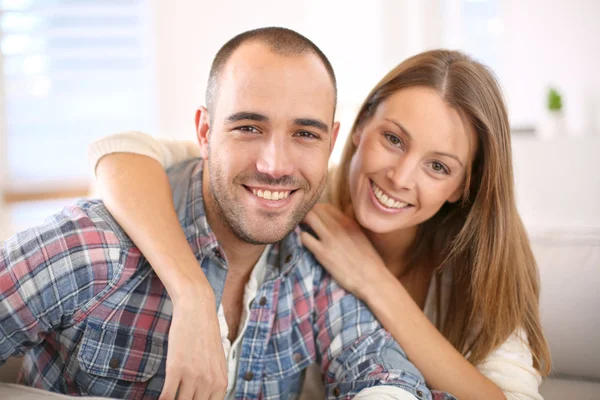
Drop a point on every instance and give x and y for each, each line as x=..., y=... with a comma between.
x=393, y=247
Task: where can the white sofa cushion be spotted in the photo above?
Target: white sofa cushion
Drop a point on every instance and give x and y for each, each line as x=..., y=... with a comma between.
x=569, y=265
x=561, y=389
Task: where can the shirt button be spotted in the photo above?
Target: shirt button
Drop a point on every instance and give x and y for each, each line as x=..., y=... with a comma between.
x=337, y=391
x=263, y=301
x=114, y=363
x=297, y=357
x=288, y=258
x=248, y=376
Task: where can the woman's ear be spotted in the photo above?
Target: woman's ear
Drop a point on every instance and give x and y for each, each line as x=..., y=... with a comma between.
x=356, y=135
x=457, y=195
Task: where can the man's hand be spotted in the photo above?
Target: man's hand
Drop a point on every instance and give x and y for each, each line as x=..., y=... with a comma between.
x=196, y=365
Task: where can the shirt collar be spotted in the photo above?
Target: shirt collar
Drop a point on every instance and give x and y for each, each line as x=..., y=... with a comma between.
x=205, y=239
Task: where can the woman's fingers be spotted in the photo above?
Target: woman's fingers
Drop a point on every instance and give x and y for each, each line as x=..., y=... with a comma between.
x=324, y=212
x=218, y=395
x=312, y=244
x=316, y=223
x=186, y=391
x=170, y=387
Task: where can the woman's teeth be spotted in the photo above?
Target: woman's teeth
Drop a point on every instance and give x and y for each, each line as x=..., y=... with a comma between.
x=385, y=200
x=268, y=195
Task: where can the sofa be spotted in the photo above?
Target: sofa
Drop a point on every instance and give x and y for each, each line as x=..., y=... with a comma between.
x=569, y=264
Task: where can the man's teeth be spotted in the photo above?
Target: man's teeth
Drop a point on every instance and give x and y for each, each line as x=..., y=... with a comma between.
x=268, y=195
x=385, y=200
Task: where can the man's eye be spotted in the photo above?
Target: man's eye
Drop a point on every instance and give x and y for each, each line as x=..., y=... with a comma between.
x=248, y=129
x=306, y=134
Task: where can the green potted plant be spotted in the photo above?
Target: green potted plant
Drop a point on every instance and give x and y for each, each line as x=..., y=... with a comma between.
x=553, y=123
x=554, y=101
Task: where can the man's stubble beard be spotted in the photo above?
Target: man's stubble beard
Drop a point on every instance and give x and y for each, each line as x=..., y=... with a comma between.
x=231, y=213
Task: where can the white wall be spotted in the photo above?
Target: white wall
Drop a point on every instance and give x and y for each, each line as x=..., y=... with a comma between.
x=363, y=40
x=557, y=183
x=553, y=42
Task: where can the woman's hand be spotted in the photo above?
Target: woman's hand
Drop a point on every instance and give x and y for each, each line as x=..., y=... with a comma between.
x=196, y=363
x=343, y=249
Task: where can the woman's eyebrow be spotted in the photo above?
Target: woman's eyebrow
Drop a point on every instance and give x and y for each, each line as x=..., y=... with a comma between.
x=399, y=126
x=440, y=153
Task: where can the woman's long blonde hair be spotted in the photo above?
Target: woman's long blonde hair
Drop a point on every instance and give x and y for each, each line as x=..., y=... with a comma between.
x=495, y=288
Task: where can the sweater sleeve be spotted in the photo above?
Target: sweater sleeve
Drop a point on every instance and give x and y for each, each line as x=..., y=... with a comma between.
x=510, y=367
x=166, y=151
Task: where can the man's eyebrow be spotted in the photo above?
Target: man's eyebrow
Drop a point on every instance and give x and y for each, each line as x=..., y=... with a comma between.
x=245, y=115
x=440, y=153
x=315, y=123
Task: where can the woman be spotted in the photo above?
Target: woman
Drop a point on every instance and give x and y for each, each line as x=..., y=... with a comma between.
x=422, y=226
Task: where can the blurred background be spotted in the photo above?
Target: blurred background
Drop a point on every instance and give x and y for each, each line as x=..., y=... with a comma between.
x=75, y=70
x=72, y=71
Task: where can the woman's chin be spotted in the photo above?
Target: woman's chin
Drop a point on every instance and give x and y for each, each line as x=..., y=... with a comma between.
x=376, y=223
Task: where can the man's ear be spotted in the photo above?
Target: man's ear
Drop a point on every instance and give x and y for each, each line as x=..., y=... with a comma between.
x=203, y=130
x=334, y=134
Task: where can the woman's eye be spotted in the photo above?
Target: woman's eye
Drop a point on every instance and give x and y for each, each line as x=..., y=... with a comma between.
x=393, y=139
x=438, y=167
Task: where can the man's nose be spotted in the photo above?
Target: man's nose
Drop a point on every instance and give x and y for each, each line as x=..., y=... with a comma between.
x=275, y=158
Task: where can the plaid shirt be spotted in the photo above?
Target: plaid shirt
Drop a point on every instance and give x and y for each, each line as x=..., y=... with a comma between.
x=79, y=300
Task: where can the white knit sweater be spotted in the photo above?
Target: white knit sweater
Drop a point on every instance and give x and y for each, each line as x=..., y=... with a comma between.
x=510, y=366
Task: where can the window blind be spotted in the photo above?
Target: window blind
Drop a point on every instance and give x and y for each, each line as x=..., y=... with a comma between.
x=73, y=71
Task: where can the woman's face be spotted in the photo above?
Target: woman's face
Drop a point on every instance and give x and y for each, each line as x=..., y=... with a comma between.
x=412, y=157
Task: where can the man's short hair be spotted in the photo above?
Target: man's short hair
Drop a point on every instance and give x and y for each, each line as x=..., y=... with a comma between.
x=281, y=40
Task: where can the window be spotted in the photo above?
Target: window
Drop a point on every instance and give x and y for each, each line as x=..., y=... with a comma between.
x=72, y=71
x=476, y=27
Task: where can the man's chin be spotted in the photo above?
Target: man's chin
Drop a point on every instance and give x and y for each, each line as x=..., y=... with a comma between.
x=265, y=232
x=262, y=237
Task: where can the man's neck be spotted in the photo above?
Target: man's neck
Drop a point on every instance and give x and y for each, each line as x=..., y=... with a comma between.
x=241, y=259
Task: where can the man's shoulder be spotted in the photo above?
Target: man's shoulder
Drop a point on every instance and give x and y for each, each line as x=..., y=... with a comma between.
x=74, y=227
x=185, y=179
x=303, y=262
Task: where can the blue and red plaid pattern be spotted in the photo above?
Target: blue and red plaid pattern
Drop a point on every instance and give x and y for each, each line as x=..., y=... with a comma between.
x=92, y=318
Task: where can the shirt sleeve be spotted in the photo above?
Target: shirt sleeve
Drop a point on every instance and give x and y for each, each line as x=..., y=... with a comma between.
x=355, y=353
x=50, y=272
x=167, y=152
x=510, y=367
x=384, y=392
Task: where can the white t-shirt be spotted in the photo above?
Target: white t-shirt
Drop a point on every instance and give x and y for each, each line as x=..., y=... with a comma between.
x=510, y=366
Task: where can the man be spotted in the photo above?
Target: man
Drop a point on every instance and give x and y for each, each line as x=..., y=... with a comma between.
x=92, y=317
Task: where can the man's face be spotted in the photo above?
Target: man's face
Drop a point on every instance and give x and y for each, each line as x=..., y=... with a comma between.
x=268, y=141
